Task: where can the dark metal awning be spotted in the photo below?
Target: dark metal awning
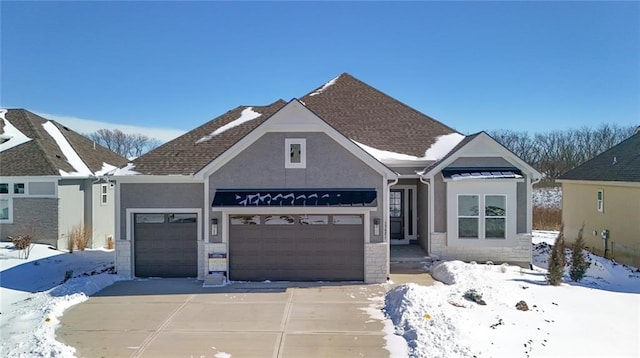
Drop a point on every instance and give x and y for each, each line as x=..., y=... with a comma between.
x=295, y=197
x=456, y=173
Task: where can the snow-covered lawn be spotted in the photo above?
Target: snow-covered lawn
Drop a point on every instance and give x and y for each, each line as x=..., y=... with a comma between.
x=598, y=317
x=33, y=295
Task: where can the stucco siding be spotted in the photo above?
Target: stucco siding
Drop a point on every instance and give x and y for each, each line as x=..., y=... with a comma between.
x=423, y=216
x=73, y=207
x=620, y=215
x=480, y=162
x=37, y=217
x=103, y=215
x=158, y=195
x=521, y=207
x=439, y=204
x=328, y=165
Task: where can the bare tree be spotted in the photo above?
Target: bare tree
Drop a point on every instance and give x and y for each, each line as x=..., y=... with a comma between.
x=126, y=145
x=554, y=153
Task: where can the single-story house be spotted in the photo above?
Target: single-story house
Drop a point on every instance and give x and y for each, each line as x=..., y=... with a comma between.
x=603, y=194
x=317, y=188
x=49, y=181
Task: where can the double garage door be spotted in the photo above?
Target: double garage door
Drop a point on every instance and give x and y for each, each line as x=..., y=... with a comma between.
x=261, y=247
x=296, y=247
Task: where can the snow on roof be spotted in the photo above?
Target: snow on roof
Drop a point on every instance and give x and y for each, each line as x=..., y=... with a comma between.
x=384, y=155
x=81, y=169
x=324, y=87
x=11, y=134
x=487, y=175
x=128, y=170
x=443, y=145
x=246, y=115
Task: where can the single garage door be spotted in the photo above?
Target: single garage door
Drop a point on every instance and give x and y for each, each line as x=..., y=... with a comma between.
x=296, y=247
x=166, y=245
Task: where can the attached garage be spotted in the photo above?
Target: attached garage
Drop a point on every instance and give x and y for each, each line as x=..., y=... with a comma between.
x=295, y=247
x=165, y=244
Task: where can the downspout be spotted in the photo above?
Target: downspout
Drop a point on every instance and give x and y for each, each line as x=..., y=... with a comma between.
x=428, y=184
x=387, y=228
x=533, y=182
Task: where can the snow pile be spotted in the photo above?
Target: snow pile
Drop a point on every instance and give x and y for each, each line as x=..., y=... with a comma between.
x=11, y=135
x=395, y=344
x=548, y=197
x=324, y=87
x=441, y=147
x=247, y=115
x=437, y=321
x=34, y=297
x=72, y=156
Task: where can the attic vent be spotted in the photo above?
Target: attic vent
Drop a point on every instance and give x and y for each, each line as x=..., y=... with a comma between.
x=177, y=153
x=58, y=156
x=65, y=128
x=615, y=161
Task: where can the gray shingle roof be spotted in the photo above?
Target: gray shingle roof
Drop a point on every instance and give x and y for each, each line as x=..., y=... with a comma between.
x=357, y=110
x=41, y=155
x=620, y=163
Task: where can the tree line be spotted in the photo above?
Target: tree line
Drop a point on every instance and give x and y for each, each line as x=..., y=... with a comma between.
x=126, y=145
x=555, y=152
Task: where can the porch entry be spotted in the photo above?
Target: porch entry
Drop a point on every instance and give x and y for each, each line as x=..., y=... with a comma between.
x=402, y=214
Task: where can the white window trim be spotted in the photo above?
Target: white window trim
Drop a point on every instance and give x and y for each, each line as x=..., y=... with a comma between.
x=485, y=217
x=104, y=194
x=600, y=202
x=303, y=153
x=486, y=187
x=9, y=219
x=479, y=217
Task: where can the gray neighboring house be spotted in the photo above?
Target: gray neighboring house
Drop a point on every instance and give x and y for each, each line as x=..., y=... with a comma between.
x=49, y=181
x=318, y=188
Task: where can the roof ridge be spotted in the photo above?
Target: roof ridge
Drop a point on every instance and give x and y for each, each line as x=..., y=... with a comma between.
x=25, y=113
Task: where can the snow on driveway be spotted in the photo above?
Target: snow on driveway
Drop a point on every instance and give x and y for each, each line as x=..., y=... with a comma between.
x=33, y=295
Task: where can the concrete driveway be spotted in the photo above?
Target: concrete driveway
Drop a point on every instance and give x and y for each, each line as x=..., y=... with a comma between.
x=179, y=318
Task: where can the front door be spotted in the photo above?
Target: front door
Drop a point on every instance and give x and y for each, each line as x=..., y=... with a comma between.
x=396, y=214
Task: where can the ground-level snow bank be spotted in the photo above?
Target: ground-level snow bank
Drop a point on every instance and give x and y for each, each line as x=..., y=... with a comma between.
x=29, y=331
x=597, y=318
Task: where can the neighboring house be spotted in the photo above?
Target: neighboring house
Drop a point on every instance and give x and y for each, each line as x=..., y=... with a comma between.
x=49, y=181
x=603, y=194
x=317, y=188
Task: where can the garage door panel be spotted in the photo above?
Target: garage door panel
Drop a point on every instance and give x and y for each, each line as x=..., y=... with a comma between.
x=296, y=252
x=166, y=249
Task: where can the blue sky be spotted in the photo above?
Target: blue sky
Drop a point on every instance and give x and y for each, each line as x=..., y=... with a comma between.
x=533, y=66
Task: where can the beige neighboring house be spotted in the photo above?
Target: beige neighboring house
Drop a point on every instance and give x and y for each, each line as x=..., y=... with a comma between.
x=604, y=195
x=49, y=181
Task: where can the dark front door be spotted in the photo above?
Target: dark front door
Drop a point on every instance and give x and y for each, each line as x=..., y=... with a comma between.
x=396, y=214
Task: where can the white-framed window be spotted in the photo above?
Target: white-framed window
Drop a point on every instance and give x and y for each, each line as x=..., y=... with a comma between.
x=600, y=200
x=490, y=223
x=295, y=153
x=495, y=216
x=104, y=197
x=18, y=188
x=468, y=216
x=6, y=210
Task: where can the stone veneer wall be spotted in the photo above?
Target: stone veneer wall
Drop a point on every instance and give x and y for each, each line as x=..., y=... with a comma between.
x=376, y=262
x=519, y=254
x=37, y=217
x=124, y=266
